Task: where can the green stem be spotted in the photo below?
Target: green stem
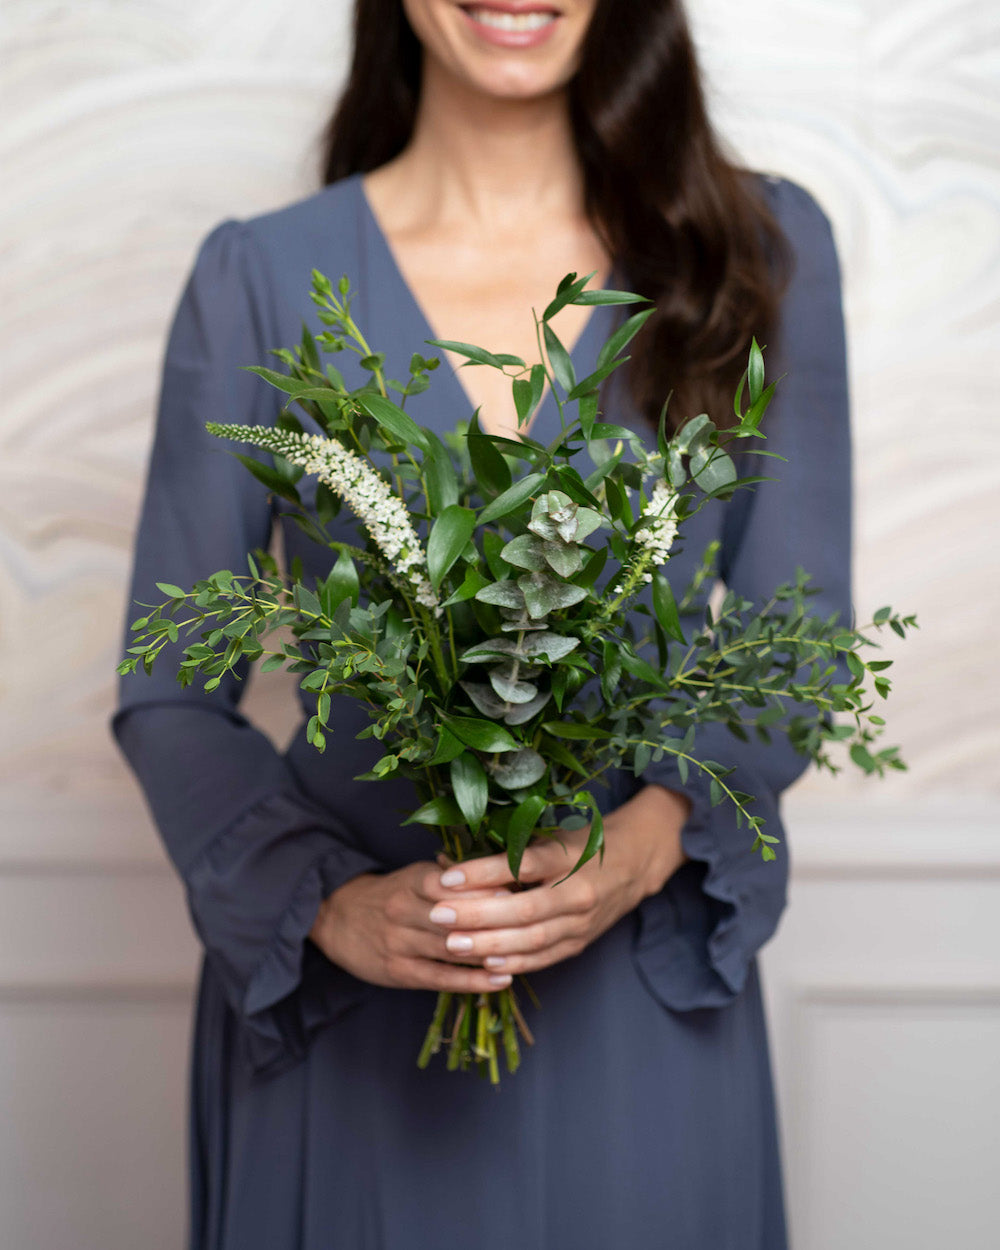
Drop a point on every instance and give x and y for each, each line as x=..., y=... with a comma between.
x=432, y=1042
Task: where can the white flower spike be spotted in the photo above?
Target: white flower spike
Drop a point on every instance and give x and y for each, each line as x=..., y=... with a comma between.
x=370, y=498
x=658, y=536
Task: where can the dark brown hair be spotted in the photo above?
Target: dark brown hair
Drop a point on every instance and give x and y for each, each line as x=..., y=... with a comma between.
x=687, y=227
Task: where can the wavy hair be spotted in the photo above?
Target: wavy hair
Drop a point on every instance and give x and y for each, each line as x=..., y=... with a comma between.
x=686, y=225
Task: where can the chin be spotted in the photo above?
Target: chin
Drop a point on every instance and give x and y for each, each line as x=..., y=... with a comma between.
x=508, y=49
x=516, y=82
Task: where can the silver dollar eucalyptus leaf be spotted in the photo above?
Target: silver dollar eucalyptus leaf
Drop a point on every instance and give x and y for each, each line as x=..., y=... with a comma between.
x=504, y=680
x=523, y=712
x=544, y=593
x=490, y=651
x=502, y=594
x=518, y=769
x=525, y=552
x=548, y=646
x=564, y=559
x=485, y=699
x=587, y=520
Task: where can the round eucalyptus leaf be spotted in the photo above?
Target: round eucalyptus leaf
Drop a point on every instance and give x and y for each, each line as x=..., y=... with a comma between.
x=508, y=687
x=564, y=559
x=502, y=594
x=544, y=594
x=518, y=769
x=548, y=646
x=485, y=699
x=521, y=713
x=490, y=651
x=525, y=552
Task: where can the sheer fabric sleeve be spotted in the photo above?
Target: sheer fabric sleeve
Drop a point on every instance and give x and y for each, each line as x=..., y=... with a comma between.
x=255, y=855
x=698, y=936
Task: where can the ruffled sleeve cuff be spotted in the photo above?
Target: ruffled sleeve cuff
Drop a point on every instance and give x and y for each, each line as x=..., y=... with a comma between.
x=254, y=893
x=698, y=936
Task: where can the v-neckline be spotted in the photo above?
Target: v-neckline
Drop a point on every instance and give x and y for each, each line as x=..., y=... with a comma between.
x=575, y=352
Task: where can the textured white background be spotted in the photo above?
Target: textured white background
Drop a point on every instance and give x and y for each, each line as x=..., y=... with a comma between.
x=133, y=126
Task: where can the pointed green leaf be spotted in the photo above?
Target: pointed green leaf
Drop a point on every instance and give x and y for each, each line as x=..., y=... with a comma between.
x=448, y=537
x=577, y=730
x=523, y=821
x=608, y=297
x=665, y=607
x=170, y=590
x=595, y=839
x=439, y=474
x=491, y=470
x=510, y=500
x=567, y=291
x=755, y=372
x=470, y=788
x=448, y=747
x=472, y=583
x=559, y=359
x=269, y=477
x=341, y=583
x=478, y=355
x=392, y=418
x=623, y=335
x=440, y=811
x=480, y=734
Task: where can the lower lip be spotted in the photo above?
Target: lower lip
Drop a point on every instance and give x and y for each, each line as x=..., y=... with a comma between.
x=510, y=38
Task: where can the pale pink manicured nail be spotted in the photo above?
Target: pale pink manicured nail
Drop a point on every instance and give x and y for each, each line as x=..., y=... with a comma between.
x=454, y=876
x=444, y=915
x=499, y=979
x=495, y=961
x=458, y=942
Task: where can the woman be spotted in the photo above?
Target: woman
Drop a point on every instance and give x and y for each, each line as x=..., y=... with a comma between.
x=478, y=154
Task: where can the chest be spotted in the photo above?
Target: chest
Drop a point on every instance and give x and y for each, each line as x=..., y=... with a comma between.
x=471, y=290
x=493, y=310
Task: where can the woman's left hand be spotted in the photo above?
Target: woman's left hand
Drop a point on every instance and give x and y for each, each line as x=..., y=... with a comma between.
x=522, y=930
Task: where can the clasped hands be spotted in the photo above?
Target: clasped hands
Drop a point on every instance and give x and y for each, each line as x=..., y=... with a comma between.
x=467, y=929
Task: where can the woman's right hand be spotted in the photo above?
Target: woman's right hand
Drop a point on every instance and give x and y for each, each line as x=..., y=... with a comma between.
x=376, y=926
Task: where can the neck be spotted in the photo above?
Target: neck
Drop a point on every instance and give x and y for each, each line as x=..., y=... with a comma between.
x=478, y=159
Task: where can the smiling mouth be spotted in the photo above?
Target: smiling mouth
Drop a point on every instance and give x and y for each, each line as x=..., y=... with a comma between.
x=510, y=22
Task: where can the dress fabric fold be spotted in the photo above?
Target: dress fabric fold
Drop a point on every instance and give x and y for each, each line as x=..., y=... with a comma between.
x=644, y=1116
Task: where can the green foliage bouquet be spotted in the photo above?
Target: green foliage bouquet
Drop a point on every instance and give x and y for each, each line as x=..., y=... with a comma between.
x=480, y=616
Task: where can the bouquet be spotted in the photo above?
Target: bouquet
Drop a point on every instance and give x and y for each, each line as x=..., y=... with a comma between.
x=480, y=614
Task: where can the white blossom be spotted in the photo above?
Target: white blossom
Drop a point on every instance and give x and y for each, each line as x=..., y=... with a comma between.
x=365, y=492
x=657, y=536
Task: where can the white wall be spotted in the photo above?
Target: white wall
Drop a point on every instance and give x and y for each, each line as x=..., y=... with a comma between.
x=131, y=127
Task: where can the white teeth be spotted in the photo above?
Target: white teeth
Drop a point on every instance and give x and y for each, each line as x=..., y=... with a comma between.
x=511, y=21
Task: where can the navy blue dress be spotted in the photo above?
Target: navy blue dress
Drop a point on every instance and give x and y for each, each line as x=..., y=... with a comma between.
x=643, y=1118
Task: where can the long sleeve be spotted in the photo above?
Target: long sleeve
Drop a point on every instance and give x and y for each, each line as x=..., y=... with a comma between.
x=255, y=855
x=698, y=936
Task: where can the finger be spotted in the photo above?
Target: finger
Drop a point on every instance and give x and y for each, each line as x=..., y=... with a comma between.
x=526, y=939
x=429, y=974
x=489, y=871
x=551, y=858
x=421, y=944
x=512, y=910
x=542, y=859
x=533, y=961
x=428, y=887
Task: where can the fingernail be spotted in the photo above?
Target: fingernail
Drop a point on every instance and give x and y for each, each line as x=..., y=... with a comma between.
x=500, y=893
x=495, y=961
x=499, y=979
x=454, y=876
x=444, y=915
x=458, y=942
